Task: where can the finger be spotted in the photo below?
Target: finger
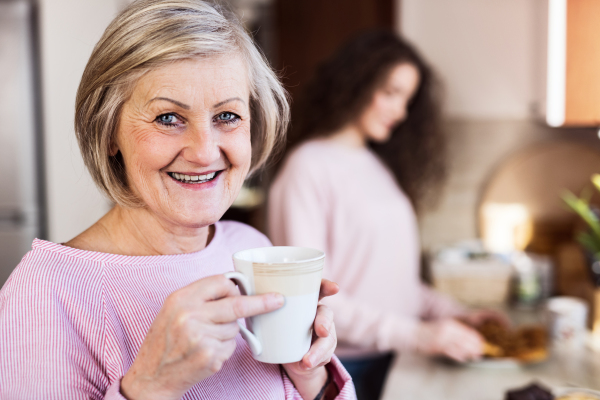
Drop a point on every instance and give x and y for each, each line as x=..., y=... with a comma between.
x=329, y=343
x=320, y=351
x=223, y=332
x=207, y=289
x=457, y=355
x=232, y=308
x=469, y=339
x=228, y=347
x=323, y=321
x=328, y=288
x=462, y=351
x=472, y=346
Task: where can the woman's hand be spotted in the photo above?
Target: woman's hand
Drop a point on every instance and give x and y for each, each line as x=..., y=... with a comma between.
x=191, y=337
x=476, y=317
x=450, y=338
x=309, y=374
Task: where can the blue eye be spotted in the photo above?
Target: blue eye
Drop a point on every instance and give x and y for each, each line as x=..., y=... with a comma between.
x=227, y=118
x=167, y=119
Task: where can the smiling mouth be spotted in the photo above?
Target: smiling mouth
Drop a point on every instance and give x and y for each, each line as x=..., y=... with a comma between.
x=193, y=179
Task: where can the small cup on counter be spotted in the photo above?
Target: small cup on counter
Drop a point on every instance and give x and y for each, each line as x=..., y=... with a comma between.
x=567, y=320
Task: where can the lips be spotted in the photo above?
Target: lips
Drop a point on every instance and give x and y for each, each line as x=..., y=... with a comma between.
x=193, y=179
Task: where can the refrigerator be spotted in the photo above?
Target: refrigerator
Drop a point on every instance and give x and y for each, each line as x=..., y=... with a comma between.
x=21, y=150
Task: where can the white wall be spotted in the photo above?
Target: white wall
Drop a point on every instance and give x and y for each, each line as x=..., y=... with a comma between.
x=487, y=52
x=491, y=57
x=69, y=30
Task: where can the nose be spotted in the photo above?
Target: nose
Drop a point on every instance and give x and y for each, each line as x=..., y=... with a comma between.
x=401, y=110
x=202, y=147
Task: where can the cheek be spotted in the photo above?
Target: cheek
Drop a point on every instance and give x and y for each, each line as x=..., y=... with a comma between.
x=387, y=106
x=238, y=150
x=145, y=152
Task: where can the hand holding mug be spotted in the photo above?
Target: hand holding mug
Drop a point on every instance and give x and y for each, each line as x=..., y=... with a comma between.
x=309, y=373
x=300, y=335
x=191, y=337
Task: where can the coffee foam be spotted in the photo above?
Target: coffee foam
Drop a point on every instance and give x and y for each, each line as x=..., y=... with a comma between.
x=291, y=271
x=288, y=283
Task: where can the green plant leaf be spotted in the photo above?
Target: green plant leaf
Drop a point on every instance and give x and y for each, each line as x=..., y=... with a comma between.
x=582, y=208
x=596, y=181
x=589, y=242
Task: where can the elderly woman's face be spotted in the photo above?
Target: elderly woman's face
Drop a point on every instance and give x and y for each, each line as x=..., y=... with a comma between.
x=185, y=138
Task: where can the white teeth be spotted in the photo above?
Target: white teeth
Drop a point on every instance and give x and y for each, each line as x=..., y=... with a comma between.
x=193, y=178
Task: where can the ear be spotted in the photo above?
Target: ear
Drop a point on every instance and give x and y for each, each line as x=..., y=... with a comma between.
x=114, y=148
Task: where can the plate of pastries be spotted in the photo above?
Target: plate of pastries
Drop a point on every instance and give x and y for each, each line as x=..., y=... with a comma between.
x=512, y=347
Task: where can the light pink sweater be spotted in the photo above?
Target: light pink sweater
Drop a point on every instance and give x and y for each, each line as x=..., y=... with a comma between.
x=344, y=201
x=72, y=322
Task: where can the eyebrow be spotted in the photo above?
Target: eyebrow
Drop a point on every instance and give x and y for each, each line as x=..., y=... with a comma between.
x=178, y=103
x=186, y=107
x=228, y=100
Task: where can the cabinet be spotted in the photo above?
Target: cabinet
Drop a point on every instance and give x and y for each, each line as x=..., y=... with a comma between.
x=573, y=63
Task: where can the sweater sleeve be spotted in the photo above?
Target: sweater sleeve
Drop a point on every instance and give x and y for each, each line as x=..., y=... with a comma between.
x=339, y=375
x=52, y=338
x=362, y=325
x=436, y=305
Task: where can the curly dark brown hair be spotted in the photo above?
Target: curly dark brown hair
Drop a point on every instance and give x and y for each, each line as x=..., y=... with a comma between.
x=344, y=85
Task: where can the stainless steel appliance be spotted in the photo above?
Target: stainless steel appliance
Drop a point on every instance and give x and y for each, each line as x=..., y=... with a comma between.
x=20, y=139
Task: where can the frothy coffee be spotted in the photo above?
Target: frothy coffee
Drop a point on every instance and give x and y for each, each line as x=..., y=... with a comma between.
x=291, y=271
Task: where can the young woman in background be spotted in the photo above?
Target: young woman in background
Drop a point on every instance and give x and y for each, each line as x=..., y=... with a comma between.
x=370, y=151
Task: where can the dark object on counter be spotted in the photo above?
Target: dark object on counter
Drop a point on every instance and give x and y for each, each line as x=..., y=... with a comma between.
x=531, y=392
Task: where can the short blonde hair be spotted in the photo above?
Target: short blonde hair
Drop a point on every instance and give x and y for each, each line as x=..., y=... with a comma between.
x=152, y=33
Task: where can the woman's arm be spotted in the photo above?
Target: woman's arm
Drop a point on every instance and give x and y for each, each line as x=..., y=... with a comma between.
x=366, y=326
x=191, y=338
x=52, y=332
x=435, y=305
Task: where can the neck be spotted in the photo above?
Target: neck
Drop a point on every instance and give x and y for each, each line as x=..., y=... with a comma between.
x=350, y=136
x=139, y=232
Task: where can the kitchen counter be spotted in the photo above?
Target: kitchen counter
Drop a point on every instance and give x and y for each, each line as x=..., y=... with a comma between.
x=415, y=377
x=419, y=378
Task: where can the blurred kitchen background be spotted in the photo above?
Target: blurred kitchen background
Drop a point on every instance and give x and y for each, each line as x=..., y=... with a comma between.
x=521, y=112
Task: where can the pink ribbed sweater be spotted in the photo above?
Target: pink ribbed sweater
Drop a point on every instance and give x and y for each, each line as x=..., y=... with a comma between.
x=344, y=201
x=72, y=322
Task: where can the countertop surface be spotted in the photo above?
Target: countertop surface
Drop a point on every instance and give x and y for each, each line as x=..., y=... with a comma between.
x=415, y=377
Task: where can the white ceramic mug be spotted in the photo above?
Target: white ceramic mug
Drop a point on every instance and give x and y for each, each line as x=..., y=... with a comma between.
x=284, y=335
x=567, y=318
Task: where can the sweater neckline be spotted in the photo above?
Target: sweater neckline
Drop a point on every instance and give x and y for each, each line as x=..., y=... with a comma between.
x=123, y=259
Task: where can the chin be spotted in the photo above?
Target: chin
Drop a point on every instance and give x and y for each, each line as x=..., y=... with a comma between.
x=382, y=138
x=198, y=221
x=193, y=215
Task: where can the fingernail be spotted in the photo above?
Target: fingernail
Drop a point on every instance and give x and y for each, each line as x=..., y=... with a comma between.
x=277, y=299
x=326, y=330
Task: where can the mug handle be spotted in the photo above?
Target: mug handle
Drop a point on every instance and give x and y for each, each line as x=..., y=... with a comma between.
x=242, y=282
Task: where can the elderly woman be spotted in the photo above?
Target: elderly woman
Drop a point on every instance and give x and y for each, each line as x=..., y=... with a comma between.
x=174, y=109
